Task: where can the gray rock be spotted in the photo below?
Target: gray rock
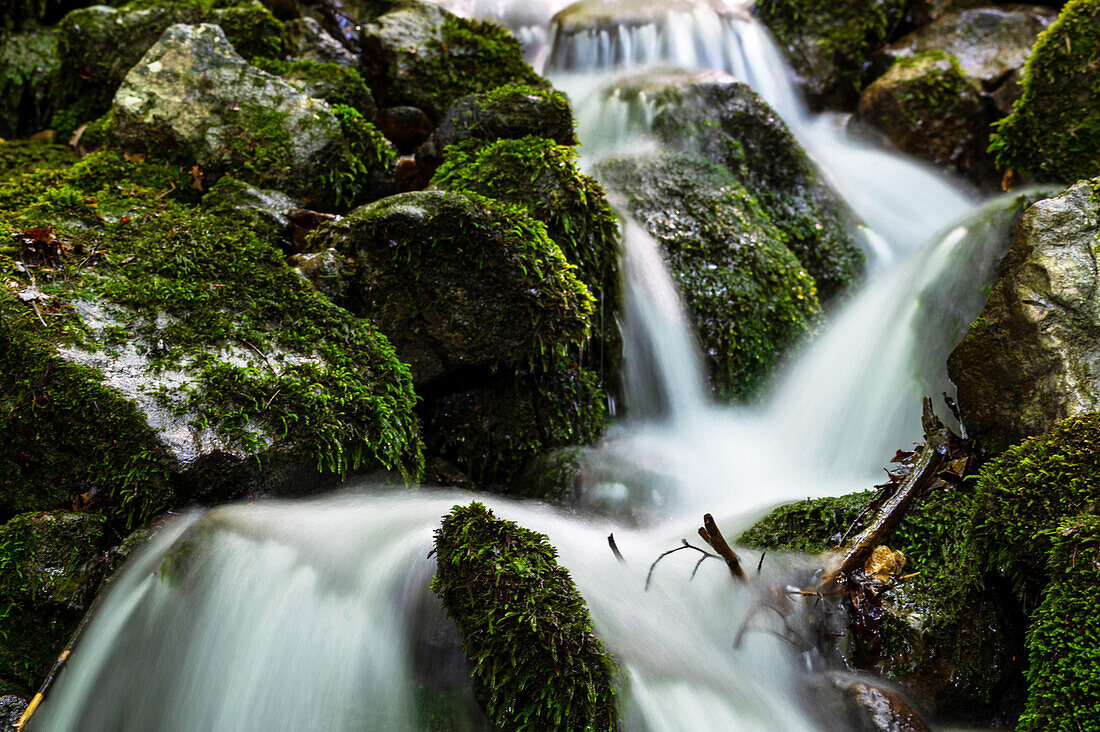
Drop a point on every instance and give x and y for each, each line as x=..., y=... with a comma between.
x=1032, y=358
x=11, y=709
x=268, y=210
x=306, y=39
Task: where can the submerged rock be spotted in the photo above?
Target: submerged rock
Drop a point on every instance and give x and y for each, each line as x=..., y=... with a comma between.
x=420, y=55
x=1029, y=360
x=927, y=106
x=1053, y=132
x=193, y=99
x=525, y=628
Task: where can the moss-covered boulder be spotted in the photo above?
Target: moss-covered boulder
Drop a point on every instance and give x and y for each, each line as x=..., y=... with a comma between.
x=1064, y=639
x=928, y=107
x=507, y=112
x=746, y=293
x=535, y=662
x=724, y=120
x=28, y=70
x=155, y=353
x=49, y=567
x=541, y=176
x=1053, y=132
x=98, y=45
x=828, y=42
x=193, y=99
x=423, y=56
x=331, y=82
x=1029, y=360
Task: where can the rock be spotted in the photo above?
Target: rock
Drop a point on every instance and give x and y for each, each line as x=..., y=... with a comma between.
x=1053, y=132
x=989, y=43
x=98, y=45
x=543, y=178
x=502, y=113
x=306, y=40
x=28, y=70
x=12, y=707
x=828, y=42
x=746, y=294
x=458, y=282
x=723, y=119
x=268, y=211
x=327, y=270
x=556, y=477
x=405, y=127
x=193, y=99
x=422, y=56
x=1029, y=360
x=930, y=109
x=331, y=82
x=519, y=613
x=881, y=709
x=194, y=365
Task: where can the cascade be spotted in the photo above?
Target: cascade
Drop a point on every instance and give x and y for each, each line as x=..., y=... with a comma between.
x=316, y=614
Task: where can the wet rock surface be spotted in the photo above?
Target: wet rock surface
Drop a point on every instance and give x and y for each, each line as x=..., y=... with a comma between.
x=1028, y=361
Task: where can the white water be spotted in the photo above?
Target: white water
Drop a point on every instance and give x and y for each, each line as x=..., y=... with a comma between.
x=315, y=615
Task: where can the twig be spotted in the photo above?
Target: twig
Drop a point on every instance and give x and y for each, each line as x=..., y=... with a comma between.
x=614, y=548
x=685, y=545
x=761, y=562
x=711, y=535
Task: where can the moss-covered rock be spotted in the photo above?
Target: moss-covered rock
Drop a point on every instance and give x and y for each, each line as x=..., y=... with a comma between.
x=1064, y=639
x=267, y=212
x=421, y=55
x=930, y=109
x=22, y=156
x=164, y=353
x=48, y=569
x=542, y=176
x=525, y=628
x=28, y=70
x=98, y=45
x=1053, y=132
x=306, y=40
x=459, y=281
x=193, y=99
x=334, y=83
x=828, y=42
x=747, y=295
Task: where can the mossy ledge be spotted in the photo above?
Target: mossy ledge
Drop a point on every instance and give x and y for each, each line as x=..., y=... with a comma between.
x=535, y=662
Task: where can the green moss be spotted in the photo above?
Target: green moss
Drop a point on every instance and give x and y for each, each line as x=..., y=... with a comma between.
x=828, y=42
x=18, y=157
x=334, y=83
x=202, y=286
x=526, y=630
x=747, y=294
x=812, y=525
x=1053, y=132
x=1064, y=638
x=1027, y=491
x=28, y=67
x=511, y=111
x=365, y=171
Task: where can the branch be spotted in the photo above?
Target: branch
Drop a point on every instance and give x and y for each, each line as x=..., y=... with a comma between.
x=711, y=535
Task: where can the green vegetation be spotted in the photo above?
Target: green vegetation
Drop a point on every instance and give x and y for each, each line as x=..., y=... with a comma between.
x=1053, y=132
x=511, y=111
x=28, y=68
x=334, y=83
x=525, y=629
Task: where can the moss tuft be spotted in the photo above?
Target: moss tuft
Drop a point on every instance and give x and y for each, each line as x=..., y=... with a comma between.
x=526, y=630
x=1053, y=132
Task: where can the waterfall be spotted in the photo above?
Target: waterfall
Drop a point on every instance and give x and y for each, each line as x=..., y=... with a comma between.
x=316, y=614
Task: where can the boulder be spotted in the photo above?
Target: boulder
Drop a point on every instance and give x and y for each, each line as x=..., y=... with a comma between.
x=193, y=99
x=746, y=293
x=269, y=212
x=721, y=118
x=331, y=82
x=508, y=112
x=28, y=71
x=828, y=42
x=422, y=56
x=98, y=45
x=1030, y=358
x=306, y=40
x=1053, y=133
x=166, y=354
x=929, y=108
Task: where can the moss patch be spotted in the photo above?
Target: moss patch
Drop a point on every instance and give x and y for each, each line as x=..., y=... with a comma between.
x=526, y=630
x=1053, y=132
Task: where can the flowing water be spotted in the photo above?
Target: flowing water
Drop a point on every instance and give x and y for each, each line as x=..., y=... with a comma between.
x=316, y=614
